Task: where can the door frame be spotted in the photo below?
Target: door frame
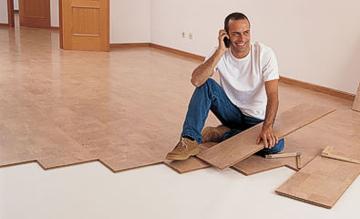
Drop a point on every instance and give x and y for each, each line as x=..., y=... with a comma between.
x=11, y=19
x=10, y=8
x=60, y=25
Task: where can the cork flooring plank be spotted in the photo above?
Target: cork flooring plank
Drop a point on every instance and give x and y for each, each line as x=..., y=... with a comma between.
x=191, y=164
x=356, y=104
x=298, y=141
x=243, y=145
x=341, y=128
x=321, y=182
x=324, y=180
x=256, y=164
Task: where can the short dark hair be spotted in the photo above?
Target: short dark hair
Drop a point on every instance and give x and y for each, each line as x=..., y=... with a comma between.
x=234, y=16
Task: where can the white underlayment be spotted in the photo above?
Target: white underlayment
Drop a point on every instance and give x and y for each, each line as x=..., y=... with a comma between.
x=92, y=191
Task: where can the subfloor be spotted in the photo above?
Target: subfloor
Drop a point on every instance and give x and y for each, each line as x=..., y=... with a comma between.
x=125, y=109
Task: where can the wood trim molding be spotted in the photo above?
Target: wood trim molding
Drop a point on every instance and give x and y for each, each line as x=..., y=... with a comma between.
x=60, y=26
x=4, y=25
x=160, y=47
x=128, y=45
x=178, y=52
x=318, y=88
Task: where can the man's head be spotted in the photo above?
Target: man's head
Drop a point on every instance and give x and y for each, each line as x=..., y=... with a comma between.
x=237, y=26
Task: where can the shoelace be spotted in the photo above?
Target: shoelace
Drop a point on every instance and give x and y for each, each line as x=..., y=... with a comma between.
x=182, y=145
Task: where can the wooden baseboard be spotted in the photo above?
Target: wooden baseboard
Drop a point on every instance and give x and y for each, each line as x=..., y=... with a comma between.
x=178, y=52
x=4, y=25
x=128, y=45
x=318, y=88
x=314, y=87
x=153, y=45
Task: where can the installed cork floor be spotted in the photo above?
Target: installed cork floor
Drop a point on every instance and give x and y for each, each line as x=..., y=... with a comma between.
x=124, y=108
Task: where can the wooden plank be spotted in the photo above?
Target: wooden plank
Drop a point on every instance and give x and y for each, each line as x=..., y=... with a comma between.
x=341, y=128
x=321, y=182
x=327, y=152
x=256, y=164
x=324, y=180
x=356, y=104
x=282, y=155
x=243, y=145
x=191, y=164
x=184, y=166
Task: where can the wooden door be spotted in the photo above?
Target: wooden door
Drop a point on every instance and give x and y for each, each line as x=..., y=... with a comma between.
x=34, y=13
x=85, y=25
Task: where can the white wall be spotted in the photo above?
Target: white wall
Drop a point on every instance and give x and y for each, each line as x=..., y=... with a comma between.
x=3, y=12
x=16, y=4
x=54, y=13
x=315, y=41
x=130, y=21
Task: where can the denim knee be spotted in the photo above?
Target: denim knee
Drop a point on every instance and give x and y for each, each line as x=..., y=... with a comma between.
x=211, y=82
x=208, y=83
x=274, y=150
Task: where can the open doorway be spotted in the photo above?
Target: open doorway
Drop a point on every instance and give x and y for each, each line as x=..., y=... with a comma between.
x=82, y=24
x=29, y=13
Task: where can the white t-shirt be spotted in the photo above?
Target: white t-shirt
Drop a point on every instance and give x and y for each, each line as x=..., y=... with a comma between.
x=243, y=80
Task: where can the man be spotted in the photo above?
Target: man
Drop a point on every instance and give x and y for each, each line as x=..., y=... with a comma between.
x=246, y=96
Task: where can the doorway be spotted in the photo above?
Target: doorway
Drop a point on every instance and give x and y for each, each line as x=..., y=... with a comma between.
x=31, y=13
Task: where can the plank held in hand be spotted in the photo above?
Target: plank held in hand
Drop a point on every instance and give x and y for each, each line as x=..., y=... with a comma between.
x=243, y=145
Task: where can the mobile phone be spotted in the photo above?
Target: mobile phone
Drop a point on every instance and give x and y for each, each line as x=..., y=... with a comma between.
x=227, y=42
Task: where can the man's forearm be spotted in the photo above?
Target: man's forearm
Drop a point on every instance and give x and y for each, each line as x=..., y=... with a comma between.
x=271, y=111
x=205, y=70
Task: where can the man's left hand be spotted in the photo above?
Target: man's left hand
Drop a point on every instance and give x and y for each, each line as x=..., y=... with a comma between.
x=267, y=136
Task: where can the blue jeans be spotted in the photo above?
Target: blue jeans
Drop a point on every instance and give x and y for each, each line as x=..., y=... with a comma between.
x=210, y=96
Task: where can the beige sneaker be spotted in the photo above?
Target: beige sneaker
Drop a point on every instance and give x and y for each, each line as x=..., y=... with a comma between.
x=213, y=134
x=183, y=150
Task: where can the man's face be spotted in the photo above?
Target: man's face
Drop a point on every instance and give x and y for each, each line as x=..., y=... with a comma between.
x=239, y=33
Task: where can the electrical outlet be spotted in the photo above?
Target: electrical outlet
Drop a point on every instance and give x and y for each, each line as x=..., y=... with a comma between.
x=190, y=36
x=183, y=34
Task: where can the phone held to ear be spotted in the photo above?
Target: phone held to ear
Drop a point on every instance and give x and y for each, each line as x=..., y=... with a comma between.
x=227, y=42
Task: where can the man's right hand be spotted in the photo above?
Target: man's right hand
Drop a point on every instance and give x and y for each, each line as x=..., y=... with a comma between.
x=206, y=69
x=222, y=35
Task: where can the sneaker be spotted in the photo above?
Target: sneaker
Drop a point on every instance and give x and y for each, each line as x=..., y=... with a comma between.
x=214, y=134
x=183, y=150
